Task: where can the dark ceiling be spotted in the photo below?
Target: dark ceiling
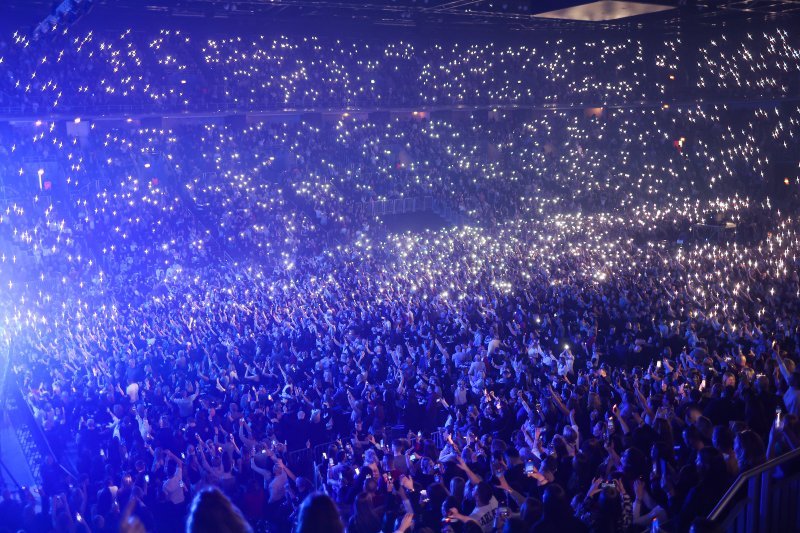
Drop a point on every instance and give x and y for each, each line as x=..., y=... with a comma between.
x=452, y=15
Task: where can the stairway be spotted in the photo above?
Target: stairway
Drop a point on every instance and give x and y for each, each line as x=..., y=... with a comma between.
x=19, y=452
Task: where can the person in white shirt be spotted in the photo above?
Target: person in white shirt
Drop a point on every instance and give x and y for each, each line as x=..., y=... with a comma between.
x=460, y=395
x=492, y=345
x=477, y=366
x=144, y=425
x=132, y=391
x=566, y=361
x=791, y=398
x=277, y=479
x=484, y=514
x=461, y=357
x=485, y=508
x=173, y=487
x=477, y=339
x=535, y=351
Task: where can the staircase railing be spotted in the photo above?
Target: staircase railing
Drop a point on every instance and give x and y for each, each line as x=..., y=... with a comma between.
x=763, y=499
x=5, y=364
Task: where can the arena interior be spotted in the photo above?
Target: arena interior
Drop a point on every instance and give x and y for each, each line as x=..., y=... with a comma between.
x=403, y=266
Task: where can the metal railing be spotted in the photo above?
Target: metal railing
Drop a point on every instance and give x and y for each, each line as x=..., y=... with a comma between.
x=5, y=364
x=415, y=204
x=224, y=108
x=451, y=213
x=398, y=206
x=309, y=462
x=763, y=499
x=43, y=442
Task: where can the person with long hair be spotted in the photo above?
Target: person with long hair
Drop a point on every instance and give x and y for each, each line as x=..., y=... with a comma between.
x=714, y=481
x=317, y=513
x=750, y=450
x=213, y=512
x=556, y=513
x=364, y=519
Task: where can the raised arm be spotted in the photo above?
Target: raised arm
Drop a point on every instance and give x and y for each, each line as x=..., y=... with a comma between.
x=782, y=365
x=473, y=477
x=265, y=473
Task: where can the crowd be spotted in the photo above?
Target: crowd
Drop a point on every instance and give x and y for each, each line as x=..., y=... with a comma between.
x=143, y=72
x=208, y=306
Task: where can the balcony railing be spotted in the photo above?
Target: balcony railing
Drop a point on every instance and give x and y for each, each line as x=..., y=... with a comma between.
x=398, y=206
x=763, y=499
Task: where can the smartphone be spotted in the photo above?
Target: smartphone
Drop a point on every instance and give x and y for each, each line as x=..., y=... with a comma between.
x=503, y=511
x=778, y=418
x=358, y=471
x=147, y=478
x=78, y=517
x=529, y=467
x=658, y=364
x=423, y=496
x=610, y=425
x=330, y=461
x=324, y=455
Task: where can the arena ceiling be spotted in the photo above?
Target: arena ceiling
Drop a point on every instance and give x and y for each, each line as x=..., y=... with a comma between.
x=508, y=14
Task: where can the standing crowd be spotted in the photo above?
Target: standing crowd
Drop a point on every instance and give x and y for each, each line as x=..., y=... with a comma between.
x=207, y=323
